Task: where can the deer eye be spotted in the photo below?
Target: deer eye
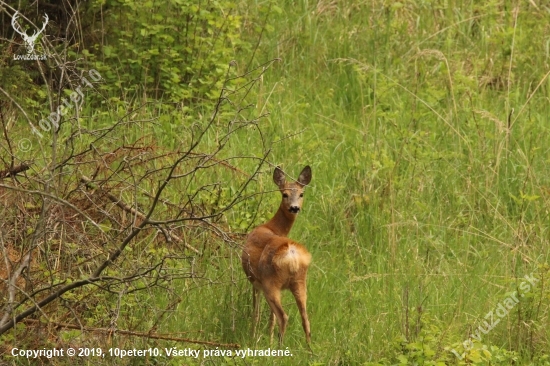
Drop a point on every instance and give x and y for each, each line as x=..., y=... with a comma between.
x=285, y=195
x=301, y=195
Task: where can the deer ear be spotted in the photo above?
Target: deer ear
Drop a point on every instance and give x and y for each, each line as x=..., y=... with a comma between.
x=279, y=177
x=305, y=176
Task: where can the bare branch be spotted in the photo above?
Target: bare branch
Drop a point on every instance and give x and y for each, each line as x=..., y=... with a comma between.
x=136, y=334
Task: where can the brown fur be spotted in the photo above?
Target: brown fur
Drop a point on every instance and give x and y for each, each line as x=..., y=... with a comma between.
x=273, y=262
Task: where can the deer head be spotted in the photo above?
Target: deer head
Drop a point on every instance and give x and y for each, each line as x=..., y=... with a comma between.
x=29, y=40
x=293, y=192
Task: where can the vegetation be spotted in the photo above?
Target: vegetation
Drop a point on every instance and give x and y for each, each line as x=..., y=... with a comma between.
x=425, y=123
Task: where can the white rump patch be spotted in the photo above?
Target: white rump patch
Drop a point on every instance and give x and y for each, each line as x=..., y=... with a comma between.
x=290, y=260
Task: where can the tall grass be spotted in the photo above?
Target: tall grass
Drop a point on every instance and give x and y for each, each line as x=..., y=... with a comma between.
x=426, y=125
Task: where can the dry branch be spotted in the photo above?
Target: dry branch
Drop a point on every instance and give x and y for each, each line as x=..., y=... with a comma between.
x=133, y=333
x=88, y=182
x=11, y=172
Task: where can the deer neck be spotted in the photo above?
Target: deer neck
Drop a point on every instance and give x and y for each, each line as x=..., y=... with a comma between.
x=282, y=222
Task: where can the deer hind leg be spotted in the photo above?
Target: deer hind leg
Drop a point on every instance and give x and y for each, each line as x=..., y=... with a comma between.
x=300, y=294
x=255, y=310
x=271, y=326
x=273, y=297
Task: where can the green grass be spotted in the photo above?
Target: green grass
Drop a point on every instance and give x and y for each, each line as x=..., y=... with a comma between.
x=427, y=202
x=421, y=197
x=426, y=125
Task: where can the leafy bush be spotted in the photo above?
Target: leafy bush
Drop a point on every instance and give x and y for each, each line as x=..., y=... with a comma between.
x=178, y=50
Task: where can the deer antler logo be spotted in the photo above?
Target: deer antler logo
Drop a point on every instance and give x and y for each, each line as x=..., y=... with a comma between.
x=29, y=40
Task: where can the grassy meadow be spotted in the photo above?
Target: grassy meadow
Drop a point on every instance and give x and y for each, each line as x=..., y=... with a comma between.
x=426, y=124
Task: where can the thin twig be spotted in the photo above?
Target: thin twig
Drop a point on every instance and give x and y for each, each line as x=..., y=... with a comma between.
x=88, y=182
x=134, y=333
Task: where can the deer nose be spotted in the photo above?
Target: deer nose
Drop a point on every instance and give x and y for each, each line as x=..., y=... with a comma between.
x=294, y=209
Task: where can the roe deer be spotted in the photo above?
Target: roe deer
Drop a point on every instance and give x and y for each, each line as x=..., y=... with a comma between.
x=273, y=262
